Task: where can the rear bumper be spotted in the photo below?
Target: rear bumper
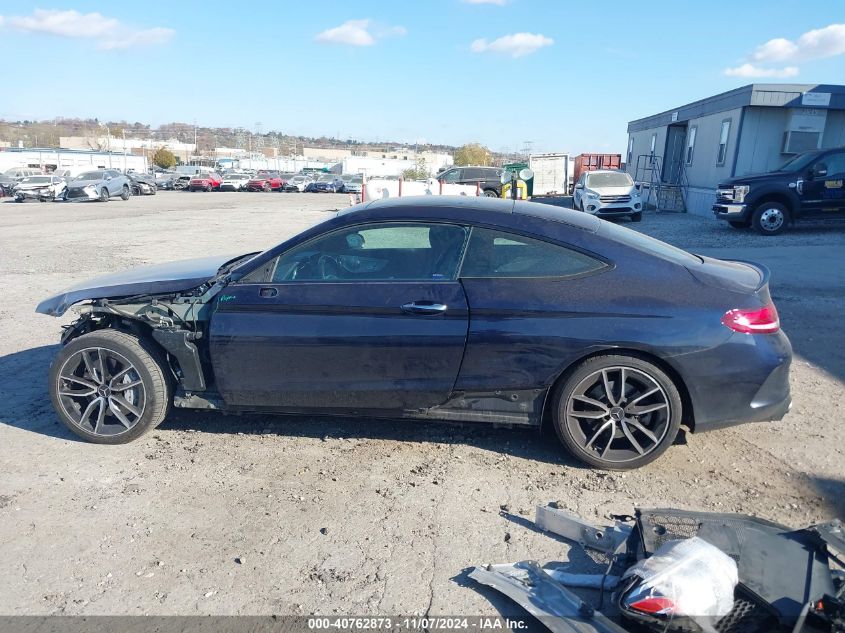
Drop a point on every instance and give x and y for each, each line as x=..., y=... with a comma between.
x=746, y=379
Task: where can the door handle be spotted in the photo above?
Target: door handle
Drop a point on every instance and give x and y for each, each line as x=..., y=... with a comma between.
x=268, y=292
x=424, y=308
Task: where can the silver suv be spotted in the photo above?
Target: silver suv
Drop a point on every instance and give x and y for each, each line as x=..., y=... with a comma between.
x=100, y=184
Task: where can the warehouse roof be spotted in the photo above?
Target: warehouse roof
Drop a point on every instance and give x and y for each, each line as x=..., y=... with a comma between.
x=827, y=96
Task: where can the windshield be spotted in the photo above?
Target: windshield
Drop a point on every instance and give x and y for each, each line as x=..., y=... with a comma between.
x=238, y=177
x=35, y=179
x=327, y=178
x=797, y=163
x=90, y=175
x=202, y=176
x=358, y=178
x=615, y=179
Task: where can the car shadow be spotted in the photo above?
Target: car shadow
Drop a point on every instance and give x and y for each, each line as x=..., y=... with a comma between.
x=832, y=491
x=26, y=405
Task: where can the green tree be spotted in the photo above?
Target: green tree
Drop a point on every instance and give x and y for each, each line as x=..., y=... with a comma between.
x=417, y=172
x=473, y=154
x=164, y=158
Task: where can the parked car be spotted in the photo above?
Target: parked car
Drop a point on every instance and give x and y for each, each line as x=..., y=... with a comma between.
x=205, y=181
x=489, y=177
x=182, y=183
x=234, y=182
x=11, y=177
x=265, y=181
x=297, y=183
x=100, y=184
x=41, y=188
x=810, y=185
x=452, y=308
x=352, y=183
x=608, y=193
x=142, y=184
x=325, y=183
x=165, y=179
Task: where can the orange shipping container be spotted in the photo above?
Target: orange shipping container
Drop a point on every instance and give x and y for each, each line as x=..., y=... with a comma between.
x=592, y=162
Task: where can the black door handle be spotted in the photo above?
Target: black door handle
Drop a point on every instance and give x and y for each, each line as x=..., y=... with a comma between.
x=268, y=292
x=424, y=308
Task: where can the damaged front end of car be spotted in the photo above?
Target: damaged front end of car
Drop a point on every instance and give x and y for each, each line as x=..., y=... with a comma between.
x=169, y=303
x=682, y=571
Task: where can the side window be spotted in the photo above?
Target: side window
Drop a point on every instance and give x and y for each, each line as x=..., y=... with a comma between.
x=453, y=175
x=724, y=133
x=835, y=164
x=473, y=174
x=376, y=252
x=505, y=255
x=690, y=145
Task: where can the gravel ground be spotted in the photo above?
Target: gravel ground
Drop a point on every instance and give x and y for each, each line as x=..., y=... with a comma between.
x=265, y=514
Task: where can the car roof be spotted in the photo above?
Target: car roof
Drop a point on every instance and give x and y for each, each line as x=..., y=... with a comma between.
x=605, y=171
x=485, y=208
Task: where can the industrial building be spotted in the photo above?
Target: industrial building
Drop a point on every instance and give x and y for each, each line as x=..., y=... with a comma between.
x=683, y=154
x=49, y=159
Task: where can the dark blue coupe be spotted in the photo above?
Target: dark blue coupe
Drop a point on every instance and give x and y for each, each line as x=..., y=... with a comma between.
x=446, y=308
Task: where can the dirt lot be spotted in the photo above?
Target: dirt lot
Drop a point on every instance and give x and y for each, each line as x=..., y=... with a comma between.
x=258, y=515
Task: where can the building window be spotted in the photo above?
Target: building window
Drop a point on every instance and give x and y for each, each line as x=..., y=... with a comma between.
x=725, y=132
x=690, y=145
x=653, y=142
x=630, y=149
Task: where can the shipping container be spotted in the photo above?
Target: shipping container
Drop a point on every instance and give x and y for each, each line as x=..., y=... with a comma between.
x=592, y=162
x=552, y=174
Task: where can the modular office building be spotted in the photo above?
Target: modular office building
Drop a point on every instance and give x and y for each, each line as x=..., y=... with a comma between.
x=753, y=129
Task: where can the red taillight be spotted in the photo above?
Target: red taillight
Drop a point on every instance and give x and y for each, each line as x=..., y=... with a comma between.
x=654, y=606
x=753, y=321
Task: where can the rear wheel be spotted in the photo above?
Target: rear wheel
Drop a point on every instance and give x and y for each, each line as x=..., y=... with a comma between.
x=617, y=412
x=770, y=218
x=490, y=193
x=739, y=224
x=109, y=387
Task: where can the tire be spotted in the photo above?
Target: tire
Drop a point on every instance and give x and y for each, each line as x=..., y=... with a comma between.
x=266, y=187
x=770, y=218
x=588, y=437
x=141, y=397
x=739, y=224
x=208, y=189
x=126, y=193
x=153, y=191
x=490, y=193
x=104, y=195
x=637, y=217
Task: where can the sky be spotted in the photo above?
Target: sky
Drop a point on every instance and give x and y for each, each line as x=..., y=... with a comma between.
x=563, y=75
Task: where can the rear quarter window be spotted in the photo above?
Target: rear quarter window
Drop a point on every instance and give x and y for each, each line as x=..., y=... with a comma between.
x=497, y=254
x=647, y=244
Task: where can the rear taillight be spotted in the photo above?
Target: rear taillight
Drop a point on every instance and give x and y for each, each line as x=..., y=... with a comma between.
x=753, y=321
x=654, y=605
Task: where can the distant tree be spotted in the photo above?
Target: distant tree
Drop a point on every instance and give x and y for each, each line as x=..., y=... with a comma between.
x=164, y=158
x=473, y=154
x=417, y=172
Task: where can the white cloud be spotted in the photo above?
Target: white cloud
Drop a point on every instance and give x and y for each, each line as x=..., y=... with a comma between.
x=750, y=70
x=769, y=59
x=110, y=33
x=515, y=44
x=359, y=33
x=496, y=2
x=816, y=44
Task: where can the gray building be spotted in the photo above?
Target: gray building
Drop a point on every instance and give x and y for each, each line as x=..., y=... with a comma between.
x=689, y=150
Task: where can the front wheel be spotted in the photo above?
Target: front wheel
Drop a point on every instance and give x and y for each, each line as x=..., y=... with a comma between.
x=770, y=218
x=109, y=387
x=617, y=412
x=104, y=195
x=126, y=193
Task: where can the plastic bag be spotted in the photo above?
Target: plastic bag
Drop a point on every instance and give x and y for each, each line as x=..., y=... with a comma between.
x=689, y=577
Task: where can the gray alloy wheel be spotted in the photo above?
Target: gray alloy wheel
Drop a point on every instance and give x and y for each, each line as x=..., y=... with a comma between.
x=770, y=218
x=104, y=195
x=490, y=194
x=617, y=412
x=110, y=387
x=126, y=193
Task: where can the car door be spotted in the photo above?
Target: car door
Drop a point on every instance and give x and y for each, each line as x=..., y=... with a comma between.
x=822, y=192
x=369, y=317
x=113, y=183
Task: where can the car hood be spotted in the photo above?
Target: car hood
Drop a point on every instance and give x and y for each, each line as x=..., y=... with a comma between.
x=33, y=185
x=613, y=191
x=155, y=279
x=752, y=178
x=84, y=183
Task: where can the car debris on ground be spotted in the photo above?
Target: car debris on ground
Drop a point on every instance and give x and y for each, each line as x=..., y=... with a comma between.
x=677, y=570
